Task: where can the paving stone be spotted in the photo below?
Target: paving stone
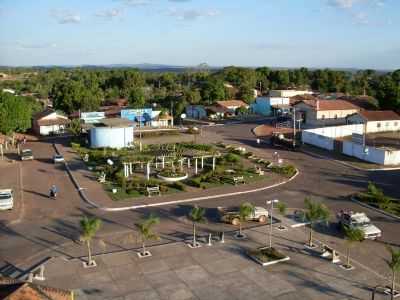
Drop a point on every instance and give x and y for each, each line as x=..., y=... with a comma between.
x=132, y=284
x=121, y=259
x=177, y=291
x=178, y=262
x=98, y=277
x=212, y=291
x=150, y=265
x=220, y=266
x=229, y=279
x=124, y=272
x=192, y=274
x=162, y=278
x=143, y=295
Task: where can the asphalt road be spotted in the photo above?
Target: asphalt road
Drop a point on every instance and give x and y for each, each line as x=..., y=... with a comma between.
x=48, y=224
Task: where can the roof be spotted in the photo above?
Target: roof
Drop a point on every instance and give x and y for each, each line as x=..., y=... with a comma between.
x=44, y=113
x=230, y=103
x=116, y=122
x=217, y=109
x=324, y=105
x=378, y=115
x=19, y=290
x=56, y=121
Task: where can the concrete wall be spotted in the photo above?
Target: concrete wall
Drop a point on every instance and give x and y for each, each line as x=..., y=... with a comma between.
x=46, y=130
x=370, y=154
x=112, y=137
x=317, y=140
x=287, y=93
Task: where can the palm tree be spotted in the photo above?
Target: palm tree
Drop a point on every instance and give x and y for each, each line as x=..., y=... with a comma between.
x=145, y=230
x=315, y=212
x=394, y=265
x=89, y=227
x=352, y=235
x=245, y=211
x=196, y=215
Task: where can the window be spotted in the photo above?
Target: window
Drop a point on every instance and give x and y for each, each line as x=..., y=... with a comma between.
x=335, y=117
x=378, y=125
x=323, y=117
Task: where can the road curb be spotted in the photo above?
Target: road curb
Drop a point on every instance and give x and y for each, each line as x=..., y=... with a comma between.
x=374, y=208
x=114, y=209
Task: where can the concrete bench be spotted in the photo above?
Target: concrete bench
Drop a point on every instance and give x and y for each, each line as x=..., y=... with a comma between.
x=153, y=190
x=238, y=180
x=330, y=252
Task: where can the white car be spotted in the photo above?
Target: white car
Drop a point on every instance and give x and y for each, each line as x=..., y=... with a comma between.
x=6, y=199
x=58, y=158
x=26, y=154
x=360, y=221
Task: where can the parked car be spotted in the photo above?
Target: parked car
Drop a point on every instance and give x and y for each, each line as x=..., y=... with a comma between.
x=360, y=221
x=231, y=215
x=6, y=199
x=26, y=154
x=58, y=158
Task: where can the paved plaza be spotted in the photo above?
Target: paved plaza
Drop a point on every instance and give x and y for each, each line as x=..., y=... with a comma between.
x=221, y=271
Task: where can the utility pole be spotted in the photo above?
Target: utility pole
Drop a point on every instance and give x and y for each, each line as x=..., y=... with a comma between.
x=172, y=113
x=294, y=127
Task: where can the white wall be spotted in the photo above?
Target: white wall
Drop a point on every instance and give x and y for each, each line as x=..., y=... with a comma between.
x=317, y=140
x=113, y=137
x=371, y=154
x=337, y=131
x=46, y=130
x=382, y=126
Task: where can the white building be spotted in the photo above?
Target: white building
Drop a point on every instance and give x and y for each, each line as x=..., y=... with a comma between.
x=112, y=133
x=49, y=122
x=288, y=93
x=376, y=121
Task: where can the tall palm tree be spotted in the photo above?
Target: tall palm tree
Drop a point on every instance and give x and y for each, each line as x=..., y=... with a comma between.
x=196, y=215
x=352, y=236
x=245, y=211
x=394, y=265
x=89, y=227
x=315, y=212
x=146, y=232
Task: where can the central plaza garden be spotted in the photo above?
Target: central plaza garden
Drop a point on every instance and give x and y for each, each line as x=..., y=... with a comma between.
x=171, y=168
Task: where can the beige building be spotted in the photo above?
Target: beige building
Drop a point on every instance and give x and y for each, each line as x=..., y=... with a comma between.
x=319, y=113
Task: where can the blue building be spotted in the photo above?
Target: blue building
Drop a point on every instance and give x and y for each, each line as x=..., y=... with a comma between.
x=142, y=116
x=267, y=106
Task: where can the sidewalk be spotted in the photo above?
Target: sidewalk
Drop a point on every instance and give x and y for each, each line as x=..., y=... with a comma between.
x=220, y=271
x=98, y=197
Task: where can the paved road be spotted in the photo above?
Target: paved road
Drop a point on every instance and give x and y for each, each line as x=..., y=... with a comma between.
x=50, y=223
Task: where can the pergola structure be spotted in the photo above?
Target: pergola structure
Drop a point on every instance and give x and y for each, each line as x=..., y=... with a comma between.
x=162, y=161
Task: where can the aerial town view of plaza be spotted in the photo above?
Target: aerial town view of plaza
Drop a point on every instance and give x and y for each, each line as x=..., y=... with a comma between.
x=199, y=150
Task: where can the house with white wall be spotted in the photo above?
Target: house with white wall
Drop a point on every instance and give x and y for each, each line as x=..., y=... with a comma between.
x=49, y=122
x=288, y=93
x=320, y=113
x=376, y=121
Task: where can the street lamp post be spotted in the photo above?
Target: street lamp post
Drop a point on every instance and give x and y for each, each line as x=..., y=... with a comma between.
x=270, y=216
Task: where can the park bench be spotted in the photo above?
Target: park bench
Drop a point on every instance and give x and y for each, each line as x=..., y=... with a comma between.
x=259, y=171
x=238, y=180
x=330, y=252
x=153, y=190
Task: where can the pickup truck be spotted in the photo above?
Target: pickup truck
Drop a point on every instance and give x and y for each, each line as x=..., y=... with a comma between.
x=231, y=215
x=361, y=221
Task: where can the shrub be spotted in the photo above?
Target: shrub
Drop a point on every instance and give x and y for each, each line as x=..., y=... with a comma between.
x=232, y=158
x=178, y=186
x=196, y=182
x=75, y=146
x=288, y=170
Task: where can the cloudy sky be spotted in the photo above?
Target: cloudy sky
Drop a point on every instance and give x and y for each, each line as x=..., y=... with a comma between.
x=286, y=33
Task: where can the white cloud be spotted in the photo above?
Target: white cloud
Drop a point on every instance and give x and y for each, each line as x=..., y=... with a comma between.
x=192, y=14
x=361, y=18
x=109, y=14
x=65, y=16
x=349, y=4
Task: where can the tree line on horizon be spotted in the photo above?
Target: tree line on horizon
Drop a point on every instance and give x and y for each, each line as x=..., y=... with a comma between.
x=86, y=89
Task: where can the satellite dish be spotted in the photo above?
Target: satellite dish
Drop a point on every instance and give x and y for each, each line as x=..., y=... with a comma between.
x=183, y=116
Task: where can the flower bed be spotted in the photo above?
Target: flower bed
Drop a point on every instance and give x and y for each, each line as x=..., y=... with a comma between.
x=267, y=256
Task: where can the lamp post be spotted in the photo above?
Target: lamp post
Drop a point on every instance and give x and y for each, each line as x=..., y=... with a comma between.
x=271, y=202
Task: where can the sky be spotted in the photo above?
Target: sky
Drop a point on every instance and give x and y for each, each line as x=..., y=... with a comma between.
x=275, y=33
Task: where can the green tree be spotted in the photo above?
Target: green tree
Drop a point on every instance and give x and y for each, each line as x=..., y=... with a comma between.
x=196, y=215
x=75, y=127
x=89, y=228
x=352, y=236
x=15, y=113
x=245, y=210
x=394, y=265
x=315, y=212
x=136, y=98
x=146, y=231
